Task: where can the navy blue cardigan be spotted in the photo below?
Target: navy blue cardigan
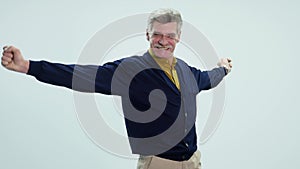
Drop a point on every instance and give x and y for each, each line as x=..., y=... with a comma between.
x=172, y=133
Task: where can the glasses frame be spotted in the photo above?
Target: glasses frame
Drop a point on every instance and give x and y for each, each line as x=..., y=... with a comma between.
x=168, y=36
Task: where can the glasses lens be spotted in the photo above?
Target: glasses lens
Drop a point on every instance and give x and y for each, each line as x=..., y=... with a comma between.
x=170, y=36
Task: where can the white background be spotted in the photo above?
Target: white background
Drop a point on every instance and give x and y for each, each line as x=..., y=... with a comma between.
x=38, y=123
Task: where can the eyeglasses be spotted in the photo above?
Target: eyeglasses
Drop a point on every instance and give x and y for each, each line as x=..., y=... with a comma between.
x=169, y=36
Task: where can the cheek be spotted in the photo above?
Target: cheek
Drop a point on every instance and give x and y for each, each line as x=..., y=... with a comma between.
x=173, y=44
x=153, y=41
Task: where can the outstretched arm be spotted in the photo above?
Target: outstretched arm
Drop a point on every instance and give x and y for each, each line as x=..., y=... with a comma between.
x=84, y=78
x=209, y=79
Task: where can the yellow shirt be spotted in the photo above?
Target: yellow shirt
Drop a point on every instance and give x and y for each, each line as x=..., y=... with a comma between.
x=169, y=70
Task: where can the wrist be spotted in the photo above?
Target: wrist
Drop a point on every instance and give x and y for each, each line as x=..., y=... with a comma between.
x=227, y=70
x=25, y=67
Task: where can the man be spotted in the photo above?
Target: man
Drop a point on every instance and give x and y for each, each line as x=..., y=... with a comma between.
x=158, y=92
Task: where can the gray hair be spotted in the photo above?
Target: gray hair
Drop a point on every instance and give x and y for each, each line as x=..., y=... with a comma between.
x=164, y=16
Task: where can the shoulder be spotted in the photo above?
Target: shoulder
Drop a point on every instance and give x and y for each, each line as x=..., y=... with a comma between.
x=139, y=61
x=182, y=64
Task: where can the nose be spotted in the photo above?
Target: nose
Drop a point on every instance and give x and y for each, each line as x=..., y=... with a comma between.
x=163, y=41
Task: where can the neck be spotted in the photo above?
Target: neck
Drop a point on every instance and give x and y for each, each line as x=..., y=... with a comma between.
x=170, y=59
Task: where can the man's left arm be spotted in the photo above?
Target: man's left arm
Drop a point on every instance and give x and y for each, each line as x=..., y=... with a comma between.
x=211, y=78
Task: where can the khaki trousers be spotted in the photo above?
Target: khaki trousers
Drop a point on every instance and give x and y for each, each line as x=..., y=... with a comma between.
x=153, y=162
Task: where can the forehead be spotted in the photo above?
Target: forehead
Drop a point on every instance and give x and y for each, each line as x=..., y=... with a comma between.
x=170, y=27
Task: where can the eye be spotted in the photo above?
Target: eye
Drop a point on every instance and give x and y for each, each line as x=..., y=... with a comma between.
x=157, y=35
x=170, y=36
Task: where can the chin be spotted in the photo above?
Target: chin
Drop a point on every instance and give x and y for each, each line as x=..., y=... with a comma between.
x=163, y=53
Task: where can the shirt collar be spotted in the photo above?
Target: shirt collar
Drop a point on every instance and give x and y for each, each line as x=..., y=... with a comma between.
x=163, y=62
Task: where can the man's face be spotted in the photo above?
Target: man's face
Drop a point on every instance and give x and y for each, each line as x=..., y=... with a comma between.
x=163, y=39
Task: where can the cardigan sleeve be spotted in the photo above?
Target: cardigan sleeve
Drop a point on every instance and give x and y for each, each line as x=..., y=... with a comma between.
x=83, y=78
x=208, y=79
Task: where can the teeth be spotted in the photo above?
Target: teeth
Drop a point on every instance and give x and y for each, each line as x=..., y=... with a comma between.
x=161, y=47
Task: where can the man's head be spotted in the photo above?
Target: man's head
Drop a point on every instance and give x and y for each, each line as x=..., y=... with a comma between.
x=163, y=31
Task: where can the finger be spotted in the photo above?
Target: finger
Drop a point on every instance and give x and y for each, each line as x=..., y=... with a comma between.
x=13, y=50
x=7, y=54
x=6, y=47
x=229, y=59
x=6, y=59
x=4, y=63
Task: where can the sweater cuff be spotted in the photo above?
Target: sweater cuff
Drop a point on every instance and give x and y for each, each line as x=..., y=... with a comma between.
x=34, y=68
x=224, y=69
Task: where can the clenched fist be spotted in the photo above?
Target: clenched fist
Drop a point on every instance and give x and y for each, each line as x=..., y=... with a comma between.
x=12, y=59
x=226, y=63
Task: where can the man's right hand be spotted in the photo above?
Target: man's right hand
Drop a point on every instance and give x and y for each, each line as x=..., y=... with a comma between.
x=12, y=59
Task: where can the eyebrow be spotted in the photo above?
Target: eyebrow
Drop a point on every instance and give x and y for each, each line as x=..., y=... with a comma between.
x=164, y=33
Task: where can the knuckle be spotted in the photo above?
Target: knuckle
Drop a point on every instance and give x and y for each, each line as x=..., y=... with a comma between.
x=3, y=59
x=6, y=59
x=4, y=63
x=4, y=48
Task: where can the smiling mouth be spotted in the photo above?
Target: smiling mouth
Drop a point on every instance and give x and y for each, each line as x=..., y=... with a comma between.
x=162, y=47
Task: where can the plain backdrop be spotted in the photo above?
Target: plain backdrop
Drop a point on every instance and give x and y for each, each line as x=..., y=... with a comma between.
x=259, y=129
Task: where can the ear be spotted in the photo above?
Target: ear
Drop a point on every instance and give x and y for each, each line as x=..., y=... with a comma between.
x=148, y=36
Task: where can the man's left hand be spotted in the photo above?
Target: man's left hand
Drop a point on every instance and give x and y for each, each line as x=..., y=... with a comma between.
x=226, y=63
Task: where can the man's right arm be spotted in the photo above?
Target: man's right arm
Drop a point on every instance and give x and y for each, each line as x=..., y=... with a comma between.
x=84, y=78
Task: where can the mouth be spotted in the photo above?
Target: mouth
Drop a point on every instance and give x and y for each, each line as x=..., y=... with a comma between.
x=162, y=47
